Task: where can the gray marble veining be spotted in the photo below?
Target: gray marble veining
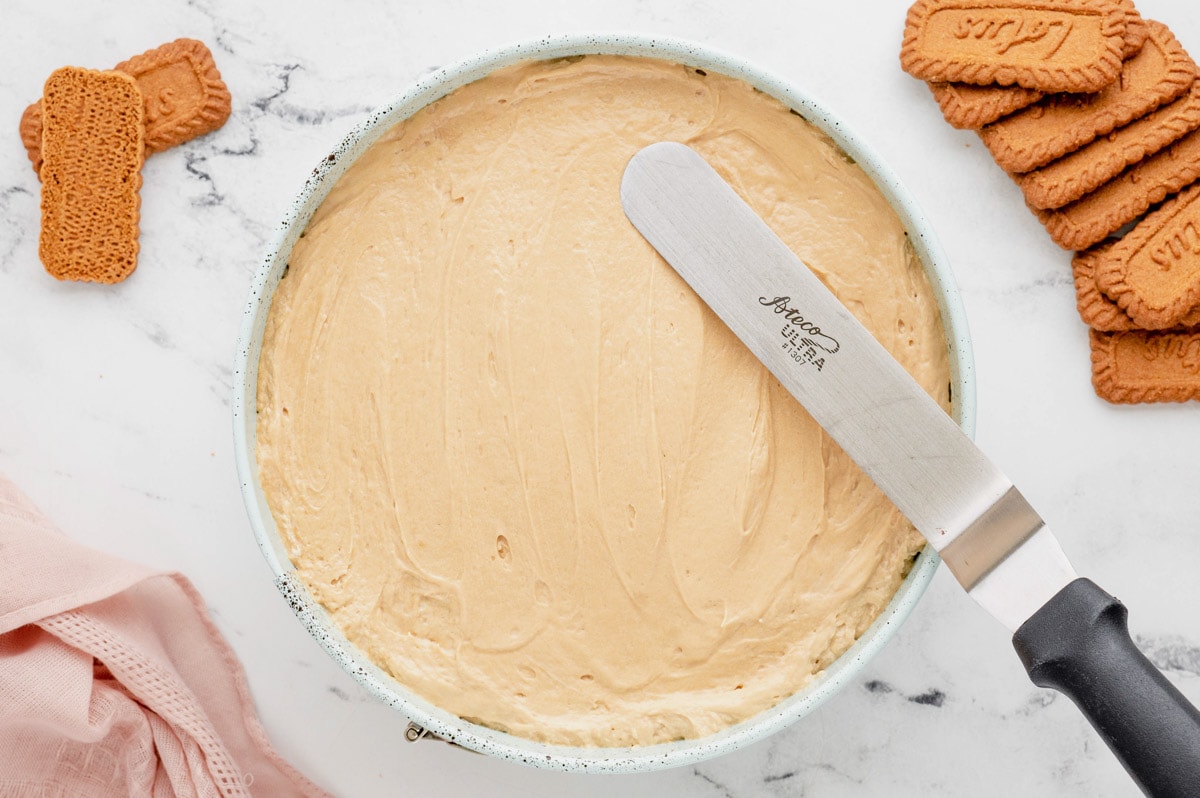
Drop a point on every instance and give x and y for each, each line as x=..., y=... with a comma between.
x=114, y=401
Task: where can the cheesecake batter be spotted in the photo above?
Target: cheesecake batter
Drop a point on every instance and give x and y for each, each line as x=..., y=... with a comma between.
x=522, y=465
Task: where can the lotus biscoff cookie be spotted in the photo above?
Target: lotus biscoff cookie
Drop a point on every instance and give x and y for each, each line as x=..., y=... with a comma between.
x=1070, y=177
x=1135, y=29
x=1153, y=273
x=1123, y=199
x=184, y=94
x=1097, y=310
x=1057, y=125
x=970, y=107
x=93, y=147
x=31, y=133
x=1046, y=45
x=1140, y=366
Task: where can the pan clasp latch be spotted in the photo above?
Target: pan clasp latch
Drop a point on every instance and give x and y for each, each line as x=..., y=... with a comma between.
x=416, y=732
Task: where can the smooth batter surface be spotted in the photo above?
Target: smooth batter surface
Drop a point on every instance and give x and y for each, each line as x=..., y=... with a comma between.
x=517, y=459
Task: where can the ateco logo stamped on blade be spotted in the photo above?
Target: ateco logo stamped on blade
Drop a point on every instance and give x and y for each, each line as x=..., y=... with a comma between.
x=803, y=339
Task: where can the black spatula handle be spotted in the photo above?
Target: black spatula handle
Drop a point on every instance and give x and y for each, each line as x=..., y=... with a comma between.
x=1079, y=644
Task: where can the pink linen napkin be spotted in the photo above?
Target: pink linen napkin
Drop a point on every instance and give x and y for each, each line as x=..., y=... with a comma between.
x=115, y=682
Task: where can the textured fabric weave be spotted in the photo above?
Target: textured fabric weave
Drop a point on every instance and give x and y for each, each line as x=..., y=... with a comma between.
x=115, y=682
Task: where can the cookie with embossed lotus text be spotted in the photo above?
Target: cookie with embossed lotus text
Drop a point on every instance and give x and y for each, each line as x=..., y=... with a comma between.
x=1153, y=273
x=1097, y=310
x=1141, y=366
x=184, y=94
x=1061, y=182
x=1046, y=45
x=970, y=107
x=1057, y=125
x=92, y=149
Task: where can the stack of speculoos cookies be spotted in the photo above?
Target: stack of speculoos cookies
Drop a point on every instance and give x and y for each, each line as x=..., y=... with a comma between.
x=88, y=137
x=1095, y=114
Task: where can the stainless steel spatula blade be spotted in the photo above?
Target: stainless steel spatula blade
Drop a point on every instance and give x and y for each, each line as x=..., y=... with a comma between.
x=851, y=386
x=1069, y=634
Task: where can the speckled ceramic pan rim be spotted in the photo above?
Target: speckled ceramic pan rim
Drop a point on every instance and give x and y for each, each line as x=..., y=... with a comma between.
x=314, y=617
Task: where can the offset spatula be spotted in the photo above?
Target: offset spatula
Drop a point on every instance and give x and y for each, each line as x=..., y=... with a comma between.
x=1070, y=634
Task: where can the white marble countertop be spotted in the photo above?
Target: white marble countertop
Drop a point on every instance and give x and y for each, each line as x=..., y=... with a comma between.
x=115, y=401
